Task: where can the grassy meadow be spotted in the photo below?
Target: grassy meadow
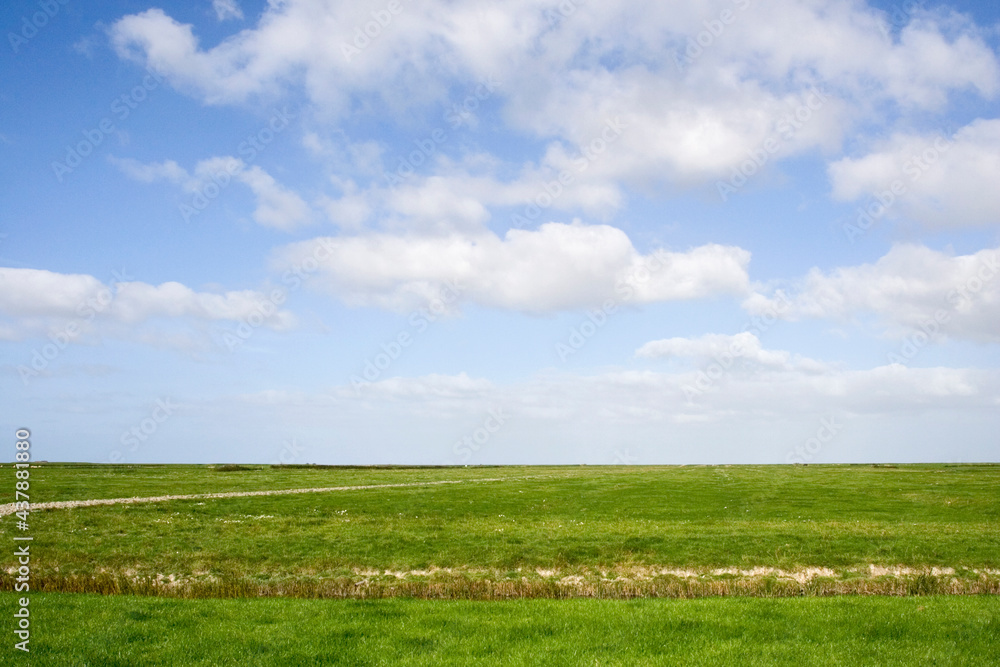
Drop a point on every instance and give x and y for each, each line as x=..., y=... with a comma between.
x=125, y=631
x=830, y=564
x=523, y=532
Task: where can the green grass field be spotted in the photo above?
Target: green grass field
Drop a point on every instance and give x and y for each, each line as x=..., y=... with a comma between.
x=549, y=532
x=128, y=631
x=534, y=565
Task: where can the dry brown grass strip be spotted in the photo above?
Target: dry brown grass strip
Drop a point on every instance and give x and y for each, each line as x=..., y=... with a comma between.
x=465, y=588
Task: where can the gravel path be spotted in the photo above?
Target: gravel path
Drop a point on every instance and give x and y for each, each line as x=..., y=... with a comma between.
x=64, y=504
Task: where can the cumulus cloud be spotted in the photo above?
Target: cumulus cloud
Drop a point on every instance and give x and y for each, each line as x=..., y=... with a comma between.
x=35, y=302
x=352, y=209
x=937, y=181
x=839, y=40
x=276, y=206
x=556, y=267
x=460, y=196
x=911, y=288
x=695, y=110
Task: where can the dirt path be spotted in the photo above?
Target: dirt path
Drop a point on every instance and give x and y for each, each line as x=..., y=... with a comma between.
x=65, y=504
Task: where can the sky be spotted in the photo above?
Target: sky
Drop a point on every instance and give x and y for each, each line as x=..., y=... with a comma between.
x=699, y=232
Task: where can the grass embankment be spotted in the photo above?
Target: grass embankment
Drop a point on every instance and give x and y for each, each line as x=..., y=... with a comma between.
x=545, y=532
x=126, y=631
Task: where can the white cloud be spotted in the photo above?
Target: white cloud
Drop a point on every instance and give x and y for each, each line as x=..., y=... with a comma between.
x=429, y=387
x=351, y=210
x=784, y=391
x=677, y=133
x=138, y=302
x=737, y=93
x=836, y=40
x=629, y=397
x=276, y=206
x=227, y=9
x=35, y=302
x=458, y=196
x=556, y=267
x=691, y=119
x=908, y=289
x=631, y=416
x=744, y=346
x=937, y=181
x=34, y=293
x=168, y=170
x=438, y=203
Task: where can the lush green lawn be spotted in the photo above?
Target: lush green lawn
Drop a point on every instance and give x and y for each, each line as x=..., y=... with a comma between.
x=598, y=523
x=79, y=630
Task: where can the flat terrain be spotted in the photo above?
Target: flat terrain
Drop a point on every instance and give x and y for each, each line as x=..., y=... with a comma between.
x=498, y=533
x=511, y=566
x=123, y=631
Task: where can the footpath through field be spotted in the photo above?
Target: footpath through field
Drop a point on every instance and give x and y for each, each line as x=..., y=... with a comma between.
x=9, y=508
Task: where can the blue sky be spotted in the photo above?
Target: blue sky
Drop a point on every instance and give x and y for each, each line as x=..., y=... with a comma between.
x=398, y=232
